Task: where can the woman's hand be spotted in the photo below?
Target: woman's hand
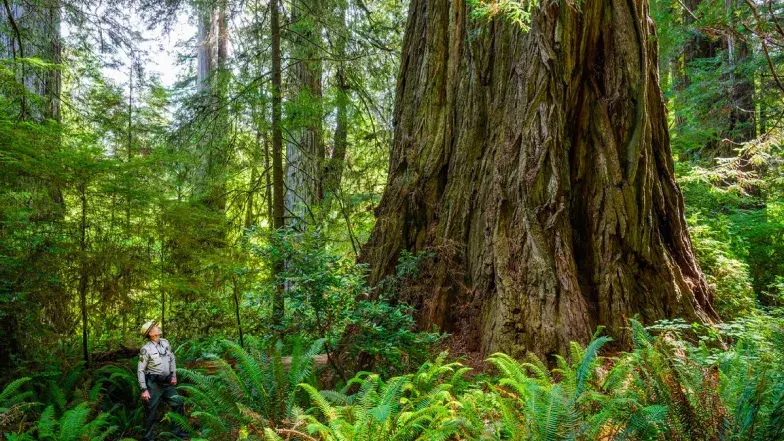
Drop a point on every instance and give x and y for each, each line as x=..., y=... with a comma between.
x=146, y=396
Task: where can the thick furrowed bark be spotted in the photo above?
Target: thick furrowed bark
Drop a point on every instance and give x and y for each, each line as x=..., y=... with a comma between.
x=537, y=166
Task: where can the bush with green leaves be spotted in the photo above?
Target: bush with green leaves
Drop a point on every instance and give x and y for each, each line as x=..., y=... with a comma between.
x=327, y=297
x=319, y=286
x=383, y=337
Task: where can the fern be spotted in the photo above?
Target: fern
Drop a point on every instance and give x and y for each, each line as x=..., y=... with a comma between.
x=775, y=426
x=257, y=390
x=587, y=364
x=409, y=407
x=74, y=425
x=14, y=402
x=10, y=396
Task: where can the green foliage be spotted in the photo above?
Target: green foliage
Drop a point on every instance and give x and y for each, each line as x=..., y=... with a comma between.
x=110, y=200
x=109, y=197
x=256, y=391
x=516, y=11
x=665, y=389
x=680, y=382
x=119, y=397
x=327, y=298
x=409, y=407
x=73, y=425
x=77, y=404
x=406, y=271
x=14, y=402
x=737, y=235
x=321, y=287
x=725, y=131
x=383, y=336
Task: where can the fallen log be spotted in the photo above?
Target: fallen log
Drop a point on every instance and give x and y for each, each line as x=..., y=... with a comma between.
x=212, y=366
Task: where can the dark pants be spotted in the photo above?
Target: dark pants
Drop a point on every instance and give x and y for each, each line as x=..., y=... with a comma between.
x=168, y=393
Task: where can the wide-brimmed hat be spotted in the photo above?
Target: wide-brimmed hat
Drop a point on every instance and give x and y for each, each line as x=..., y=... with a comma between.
x=147, y=327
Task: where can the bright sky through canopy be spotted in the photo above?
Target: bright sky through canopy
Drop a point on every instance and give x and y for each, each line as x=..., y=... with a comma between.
x=160, y=50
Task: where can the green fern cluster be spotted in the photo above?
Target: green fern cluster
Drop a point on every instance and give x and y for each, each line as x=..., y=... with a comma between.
x=256, y=392
x=14, y=403
x=662, y=390
x=119, y=398
x=723, y=383
x=63, y=407
x=409, y=407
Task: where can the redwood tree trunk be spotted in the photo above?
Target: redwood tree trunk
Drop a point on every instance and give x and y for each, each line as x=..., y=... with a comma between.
x=537, y=167
x=304, y=146
x=333, y=170
x=278, y=306
x=213, y=40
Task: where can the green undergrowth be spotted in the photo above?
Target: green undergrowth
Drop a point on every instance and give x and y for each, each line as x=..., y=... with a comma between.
x=676, y=384
x=679, y=382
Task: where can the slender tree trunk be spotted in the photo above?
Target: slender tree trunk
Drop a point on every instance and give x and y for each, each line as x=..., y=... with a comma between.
x=277, y=154
x=678, y=83
x=36, y=33
x=83, y=271
x=763, y=107
x=305, y=149
x=212, y=83
x=259, y=150
x=537, y=167
x=235, y=289
x=699, y=46
x=268, y=183
x=262, y=129
x=17, y=46
x=334, y=169
x=742, y=125
x=162, y=281
x=129, y=148
x=249, y=214
x=163, y=308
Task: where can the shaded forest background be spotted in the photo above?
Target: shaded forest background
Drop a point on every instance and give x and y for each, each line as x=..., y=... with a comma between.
x=235, y=204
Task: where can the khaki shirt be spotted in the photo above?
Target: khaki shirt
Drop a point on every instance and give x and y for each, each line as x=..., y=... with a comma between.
x=155, y=358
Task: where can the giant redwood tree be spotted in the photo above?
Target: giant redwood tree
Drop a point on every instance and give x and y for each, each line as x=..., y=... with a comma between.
x=536, y=167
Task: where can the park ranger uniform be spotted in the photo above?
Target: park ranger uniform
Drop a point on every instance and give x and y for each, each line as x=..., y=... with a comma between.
x=156, y=367
x=156, y=359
